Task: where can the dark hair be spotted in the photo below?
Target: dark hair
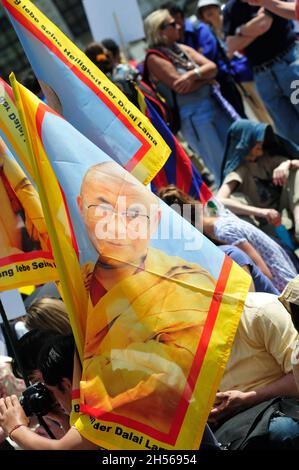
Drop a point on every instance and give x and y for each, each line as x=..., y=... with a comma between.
x=96, y=52
x=29, y=346
x=56, y=359
x=173, y=8
x=92, y=50
x=172, y=195
x=30, y=81
x=112, y=46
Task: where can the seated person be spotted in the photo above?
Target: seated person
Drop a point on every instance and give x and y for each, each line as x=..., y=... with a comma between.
x=270, y=258
x=199, y=36
x=177, y=199
x=259, y=369
x=290, y=299
x=261, y=283
x=258, y=164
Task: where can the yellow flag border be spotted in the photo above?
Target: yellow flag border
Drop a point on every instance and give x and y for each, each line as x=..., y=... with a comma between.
x=67, y=297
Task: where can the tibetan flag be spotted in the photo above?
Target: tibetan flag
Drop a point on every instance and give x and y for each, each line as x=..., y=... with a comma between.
x=86, y=97
x=161, y=303
x=178, y=169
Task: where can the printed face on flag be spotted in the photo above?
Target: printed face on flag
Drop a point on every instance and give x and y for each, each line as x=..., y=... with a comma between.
x=161, y=304
x=154, y=299
x=120, y=215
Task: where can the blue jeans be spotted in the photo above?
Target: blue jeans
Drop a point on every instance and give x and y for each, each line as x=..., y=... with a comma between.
x=284, y=433
x=204, y=125
x=274, y=87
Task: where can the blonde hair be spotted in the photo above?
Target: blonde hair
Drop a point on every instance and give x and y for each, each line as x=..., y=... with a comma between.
x=48, y=314
x=152, y=27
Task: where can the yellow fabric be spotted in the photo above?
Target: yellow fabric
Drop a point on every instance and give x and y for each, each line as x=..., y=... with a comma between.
x=20, y=270
x=141, y=339
x=29, y=199
x=157, y=312
x=27, y=290
x=56, y=218
x=10, y=233
x=171, y=322
x=9, y=222
x=261, y=352
x=156, y=150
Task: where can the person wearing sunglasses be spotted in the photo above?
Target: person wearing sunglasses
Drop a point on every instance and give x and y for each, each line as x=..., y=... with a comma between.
x=179, y=71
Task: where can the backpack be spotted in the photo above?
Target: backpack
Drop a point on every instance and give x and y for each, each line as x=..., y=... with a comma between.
x=249, y=429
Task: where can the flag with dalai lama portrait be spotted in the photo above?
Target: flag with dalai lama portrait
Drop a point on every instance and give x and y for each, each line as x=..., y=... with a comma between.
x=159, y=303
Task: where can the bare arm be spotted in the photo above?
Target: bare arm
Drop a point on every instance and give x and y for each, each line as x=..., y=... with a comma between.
x=237, y=43
x=285, y=386
x=248, y=32
x=257, y=26
x=224, y=193
x=256, y=257
x=72, y=440
x=12, y=415
x=284, y=9
x=233, y=401
x=164, y=71
x=208, y=68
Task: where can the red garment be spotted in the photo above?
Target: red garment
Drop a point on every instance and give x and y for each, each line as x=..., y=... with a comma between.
x=97, y=291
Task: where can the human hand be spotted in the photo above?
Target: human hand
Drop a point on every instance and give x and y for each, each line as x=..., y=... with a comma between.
x=11, y=414
x=281, y=173
x=229, y=403
x=271, y=215
x=294, y=164
x=183, y=83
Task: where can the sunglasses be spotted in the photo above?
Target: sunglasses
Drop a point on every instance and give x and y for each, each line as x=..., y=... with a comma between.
x=172, y=24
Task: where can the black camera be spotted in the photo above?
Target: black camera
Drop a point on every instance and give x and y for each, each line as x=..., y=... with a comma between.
x=37, y=400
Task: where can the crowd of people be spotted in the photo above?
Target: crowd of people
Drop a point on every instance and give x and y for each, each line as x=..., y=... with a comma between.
x=226, y=79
